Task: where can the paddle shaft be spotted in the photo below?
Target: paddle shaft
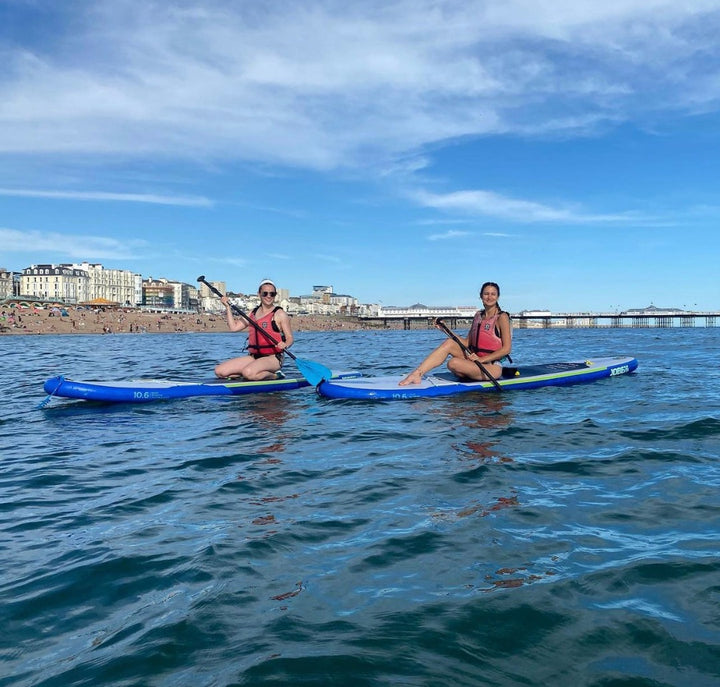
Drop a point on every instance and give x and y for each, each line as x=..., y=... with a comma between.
x=247, y=318
x=466, y=350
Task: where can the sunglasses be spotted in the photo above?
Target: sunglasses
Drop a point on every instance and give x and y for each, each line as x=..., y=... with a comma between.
x=269, y=293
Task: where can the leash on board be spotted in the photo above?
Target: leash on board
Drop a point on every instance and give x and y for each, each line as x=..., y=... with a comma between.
x=44, y=402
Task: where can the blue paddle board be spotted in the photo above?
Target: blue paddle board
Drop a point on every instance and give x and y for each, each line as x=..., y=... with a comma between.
x=445, y=383
x=145, y=390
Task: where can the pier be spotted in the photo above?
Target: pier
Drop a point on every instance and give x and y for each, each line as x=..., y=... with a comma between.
x=458, y=318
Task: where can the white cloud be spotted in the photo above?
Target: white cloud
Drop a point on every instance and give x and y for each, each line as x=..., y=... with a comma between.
x=190, y=201
x=451, y=234
x=69, y=246
x=330, y=84
x=496, y=205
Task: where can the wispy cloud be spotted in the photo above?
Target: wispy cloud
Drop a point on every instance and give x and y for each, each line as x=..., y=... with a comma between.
x=328, y=258
x=326, y=84
x=451, y=234
x=454, y=234
x=187, y=201
x=492, y=204
x=70, y=246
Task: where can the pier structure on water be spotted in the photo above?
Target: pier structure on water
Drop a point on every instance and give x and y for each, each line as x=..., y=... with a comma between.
x=420, y=317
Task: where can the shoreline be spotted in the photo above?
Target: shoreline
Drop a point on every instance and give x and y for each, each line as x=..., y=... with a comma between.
x=42, y=322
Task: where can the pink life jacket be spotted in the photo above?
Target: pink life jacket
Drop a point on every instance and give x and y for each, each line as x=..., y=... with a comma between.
x=258, y=344
x=484, y=336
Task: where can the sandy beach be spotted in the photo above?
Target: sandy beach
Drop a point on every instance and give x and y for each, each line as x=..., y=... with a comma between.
x=14, y=322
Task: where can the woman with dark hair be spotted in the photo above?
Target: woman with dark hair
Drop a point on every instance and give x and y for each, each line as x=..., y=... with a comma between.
x=489, y=340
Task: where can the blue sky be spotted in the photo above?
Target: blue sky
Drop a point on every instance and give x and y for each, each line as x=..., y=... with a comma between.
x=402, y=151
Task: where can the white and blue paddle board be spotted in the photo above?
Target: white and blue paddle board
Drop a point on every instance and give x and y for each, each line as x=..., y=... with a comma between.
x=387, y=388
x=145, y=390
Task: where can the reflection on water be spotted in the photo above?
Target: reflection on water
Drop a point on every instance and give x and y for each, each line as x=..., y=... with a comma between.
x=267, y=418
x=477, y=419
x=484, y=411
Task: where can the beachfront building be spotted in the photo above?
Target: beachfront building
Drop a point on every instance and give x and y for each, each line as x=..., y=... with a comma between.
x=193, y=296
x=158, y=294
x=322, y=293
x=9, y=284
x=344, y=304
x=81, y=283
x=309, y=305
x=368, y=310
x=207, y=300
x=165, y=294
x=317, y=303
x=324, y=301
x=185, y=296
x=111, y=285
x=210, y=302
x=55, y=282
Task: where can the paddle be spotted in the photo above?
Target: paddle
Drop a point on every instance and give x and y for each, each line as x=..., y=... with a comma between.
x=465, y=349
x=312, y=371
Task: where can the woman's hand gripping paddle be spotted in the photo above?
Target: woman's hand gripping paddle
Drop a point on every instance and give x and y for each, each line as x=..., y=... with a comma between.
x=312, y=371
x=467, y=351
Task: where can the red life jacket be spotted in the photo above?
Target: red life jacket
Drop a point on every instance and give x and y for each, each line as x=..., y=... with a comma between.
x=484, y=336
x=258, y=344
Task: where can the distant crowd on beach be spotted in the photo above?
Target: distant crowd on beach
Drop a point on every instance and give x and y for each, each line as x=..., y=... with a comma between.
x=110, y=321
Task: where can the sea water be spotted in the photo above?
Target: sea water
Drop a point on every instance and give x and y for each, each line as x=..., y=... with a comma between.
x=559, y=536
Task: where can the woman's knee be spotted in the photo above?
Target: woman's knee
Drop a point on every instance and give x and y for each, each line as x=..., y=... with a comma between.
x=256, y=373
x=454, y=364
x=447, y=348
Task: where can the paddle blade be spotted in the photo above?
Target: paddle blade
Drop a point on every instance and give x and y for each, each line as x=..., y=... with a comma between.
x=312, y=371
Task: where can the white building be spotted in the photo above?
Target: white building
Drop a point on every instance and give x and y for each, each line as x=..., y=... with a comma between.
x=116, y=286
x=321, y=291
x=55, y=282
x=420, y=310
x=535, y=313
x=207, y=300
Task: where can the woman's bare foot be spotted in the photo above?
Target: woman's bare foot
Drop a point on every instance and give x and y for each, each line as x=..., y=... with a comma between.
x=415, y=377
